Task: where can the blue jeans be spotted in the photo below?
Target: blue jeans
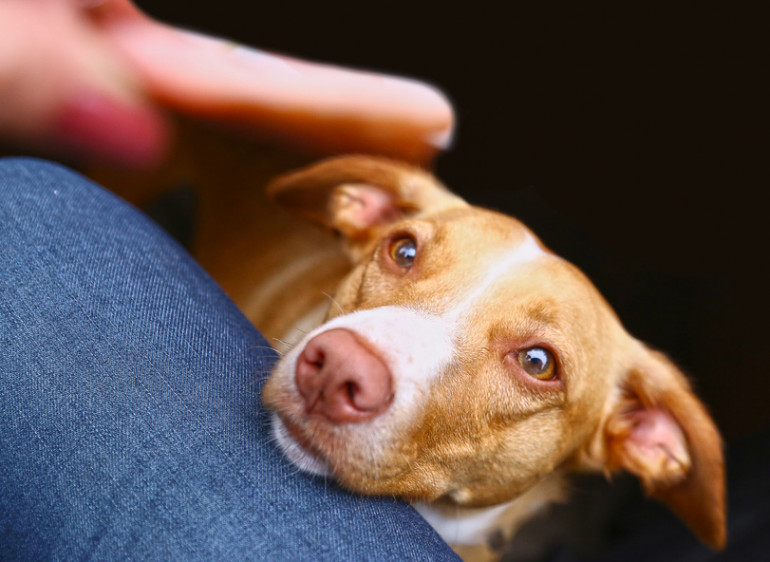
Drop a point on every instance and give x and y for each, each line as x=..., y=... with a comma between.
x=130, y=418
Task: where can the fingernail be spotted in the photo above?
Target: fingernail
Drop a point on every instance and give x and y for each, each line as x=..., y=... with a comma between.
x=441, y=139
x=96, y=125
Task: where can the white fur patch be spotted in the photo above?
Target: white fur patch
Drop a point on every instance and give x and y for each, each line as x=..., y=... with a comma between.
x=296, y=454
x=502, y=268
x=472, y=525
x=465, y=525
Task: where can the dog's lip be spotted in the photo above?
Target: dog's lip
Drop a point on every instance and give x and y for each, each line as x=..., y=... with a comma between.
x=299, y=437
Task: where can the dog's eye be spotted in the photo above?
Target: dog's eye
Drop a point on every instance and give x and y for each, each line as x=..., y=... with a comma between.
x=538, y=362
x=403, y=250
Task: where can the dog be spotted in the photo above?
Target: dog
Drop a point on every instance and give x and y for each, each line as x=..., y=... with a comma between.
x=439, y=352
x=434, y=350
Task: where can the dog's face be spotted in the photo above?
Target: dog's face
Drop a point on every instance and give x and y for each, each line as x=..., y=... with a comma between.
x=463, y=360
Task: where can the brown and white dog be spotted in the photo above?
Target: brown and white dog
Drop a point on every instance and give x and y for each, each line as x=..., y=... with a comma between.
x=449, y=358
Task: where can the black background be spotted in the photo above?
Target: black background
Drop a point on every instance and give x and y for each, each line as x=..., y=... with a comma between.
x=627, y=140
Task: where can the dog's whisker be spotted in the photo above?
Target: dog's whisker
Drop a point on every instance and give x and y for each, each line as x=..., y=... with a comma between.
x=334, y=302
x=268, y=347
x=282, y=342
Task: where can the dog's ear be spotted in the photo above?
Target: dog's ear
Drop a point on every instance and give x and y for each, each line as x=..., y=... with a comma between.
x=657, y=429
x=356, y=195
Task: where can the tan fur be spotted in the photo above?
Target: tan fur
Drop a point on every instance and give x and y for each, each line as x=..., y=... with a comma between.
x=487, y=433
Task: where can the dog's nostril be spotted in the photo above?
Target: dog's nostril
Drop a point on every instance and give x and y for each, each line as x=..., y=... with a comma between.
x=315, y=356
x=352, y=390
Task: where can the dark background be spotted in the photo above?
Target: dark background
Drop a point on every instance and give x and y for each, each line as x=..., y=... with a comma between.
x=626, y=140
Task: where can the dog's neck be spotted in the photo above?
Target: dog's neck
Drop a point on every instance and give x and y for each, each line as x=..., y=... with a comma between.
x=470, y=526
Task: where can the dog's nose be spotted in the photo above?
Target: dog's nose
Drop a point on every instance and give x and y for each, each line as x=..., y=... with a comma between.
x=342, y=379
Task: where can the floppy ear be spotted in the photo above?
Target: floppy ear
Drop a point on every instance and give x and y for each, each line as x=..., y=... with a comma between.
x=660, y=431
x=356, y=195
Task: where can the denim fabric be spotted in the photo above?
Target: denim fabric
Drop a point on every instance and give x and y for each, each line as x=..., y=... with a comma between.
x=130, y=418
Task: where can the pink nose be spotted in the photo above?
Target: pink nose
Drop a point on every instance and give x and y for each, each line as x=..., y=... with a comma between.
x=342, y=379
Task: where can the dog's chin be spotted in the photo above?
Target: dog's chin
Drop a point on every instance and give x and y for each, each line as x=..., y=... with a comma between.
x=303, y=454
x=290, y=442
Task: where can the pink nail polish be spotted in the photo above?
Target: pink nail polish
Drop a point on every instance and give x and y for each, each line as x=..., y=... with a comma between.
x=99, y=126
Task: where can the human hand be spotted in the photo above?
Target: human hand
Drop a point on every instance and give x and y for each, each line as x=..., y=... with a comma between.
x=65, y=88
x=95, y=89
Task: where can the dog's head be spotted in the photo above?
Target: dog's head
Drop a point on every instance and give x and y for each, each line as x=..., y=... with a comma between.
x=461, y=359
